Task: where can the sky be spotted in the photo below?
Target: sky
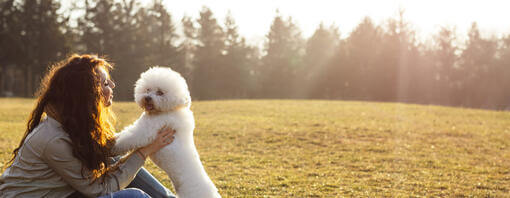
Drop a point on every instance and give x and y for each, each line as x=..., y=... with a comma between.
x=254, y=17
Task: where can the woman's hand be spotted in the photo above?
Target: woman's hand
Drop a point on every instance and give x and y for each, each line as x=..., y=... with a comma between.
x=165, y=137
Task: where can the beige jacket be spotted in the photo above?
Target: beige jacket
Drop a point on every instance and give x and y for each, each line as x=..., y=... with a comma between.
x=45, y=167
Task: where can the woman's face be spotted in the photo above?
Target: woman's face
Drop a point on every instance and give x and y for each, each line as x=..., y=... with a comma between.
x=107, y=85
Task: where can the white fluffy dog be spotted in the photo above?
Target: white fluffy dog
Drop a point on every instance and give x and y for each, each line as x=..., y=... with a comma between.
x=164, y=96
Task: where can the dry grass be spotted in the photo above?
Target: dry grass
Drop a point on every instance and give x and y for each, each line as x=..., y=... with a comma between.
x=298, y=148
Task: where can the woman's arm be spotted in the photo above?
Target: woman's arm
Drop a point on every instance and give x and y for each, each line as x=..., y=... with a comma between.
x=58, y=154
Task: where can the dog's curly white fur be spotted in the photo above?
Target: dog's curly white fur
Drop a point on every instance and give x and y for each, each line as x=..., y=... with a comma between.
x=164, y=95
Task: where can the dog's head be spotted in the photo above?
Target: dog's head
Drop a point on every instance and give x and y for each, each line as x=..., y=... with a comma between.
x=160, y=89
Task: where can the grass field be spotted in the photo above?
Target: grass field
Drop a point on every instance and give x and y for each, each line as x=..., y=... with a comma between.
x=293, y=148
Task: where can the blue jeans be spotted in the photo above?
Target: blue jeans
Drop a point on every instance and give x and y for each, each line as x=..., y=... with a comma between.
x=150, y=185
x=127, y=193
x=144, y=185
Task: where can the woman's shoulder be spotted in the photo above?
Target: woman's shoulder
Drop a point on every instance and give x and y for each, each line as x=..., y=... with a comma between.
x=48, y=135
x=49, y=131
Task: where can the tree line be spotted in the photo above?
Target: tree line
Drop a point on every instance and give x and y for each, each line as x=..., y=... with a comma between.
x=374, y=62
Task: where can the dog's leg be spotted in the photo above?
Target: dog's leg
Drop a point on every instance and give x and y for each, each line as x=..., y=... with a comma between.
x=131, y=138
x=134, y=137
x=122, y=142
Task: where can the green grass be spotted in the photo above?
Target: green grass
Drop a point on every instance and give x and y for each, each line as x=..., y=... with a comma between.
x=299, y=148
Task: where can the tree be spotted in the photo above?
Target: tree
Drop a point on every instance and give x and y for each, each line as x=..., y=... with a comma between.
x=36, y=35
x=446, y=76
x=337, y=76
x=208, y=57
x=9, y=25
x=396, y=69
x=477, y=67
x=238, y=61
x=284, y=56
x=158, y=38
x=113, y=29
x=503, y=75
x=320, y=48
x=187, y=47
x=364, y=48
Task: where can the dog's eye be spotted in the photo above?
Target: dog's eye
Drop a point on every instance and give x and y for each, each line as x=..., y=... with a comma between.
x=159, y=93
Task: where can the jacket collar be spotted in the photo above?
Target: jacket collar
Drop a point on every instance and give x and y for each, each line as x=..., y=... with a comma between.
x=52, y=121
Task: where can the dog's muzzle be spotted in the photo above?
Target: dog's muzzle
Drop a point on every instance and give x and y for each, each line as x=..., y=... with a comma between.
x=148, y=105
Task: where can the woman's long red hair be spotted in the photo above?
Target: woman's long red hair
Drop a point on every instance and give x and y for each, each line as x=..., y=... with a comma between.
x=72, y=88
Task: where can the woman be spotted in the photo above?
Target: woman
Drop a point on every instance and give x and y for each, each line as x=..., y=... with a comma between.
x=66, y=153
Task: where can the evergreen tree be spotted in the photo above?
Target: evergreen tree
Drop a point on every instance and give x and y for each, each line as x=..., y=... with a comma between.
x=320, y=49
x=397, y=62
x=375, y=62
x=158, y=37
x=10, y=28
x=364, y=48
x=208, y=57
x=503, y=76
x=336, y=80
x=477, y=65
x=113, y=29
x=445, y=74
x=236, y=80
x=284, y=57
x=35, y=34
x=187, y=48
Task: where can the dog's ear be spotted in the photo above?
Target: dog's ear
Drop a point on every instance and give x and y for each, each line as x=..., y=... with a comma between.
x=181, y=102
x=186, y=101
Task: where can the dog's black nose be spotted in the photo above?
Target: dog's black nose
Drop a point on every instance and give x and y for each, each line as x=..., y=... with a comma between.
x=148, y=99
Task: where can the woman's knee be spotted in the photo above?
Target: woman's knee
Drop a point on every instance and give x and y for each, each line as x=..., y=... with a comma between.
x=136, y=193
